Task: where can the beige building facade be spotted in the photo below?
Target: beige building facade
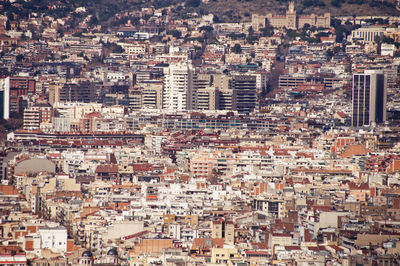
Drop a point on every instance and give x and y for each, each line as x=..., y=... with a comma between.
x=291, y=20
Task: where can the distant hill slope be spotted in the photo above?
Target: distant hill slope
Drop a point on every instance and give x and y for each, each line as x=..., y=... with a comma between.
x=242, y=9
x=226, y=10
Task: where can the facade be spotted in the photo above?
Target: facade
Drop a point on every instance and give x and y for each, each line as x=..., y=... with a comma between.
x=367, y=34
x=152, y=96
x=20, y=87
x=12, y=255
x=272, y=206
x=225, y=99
x=178, y=88
x=368, y=98
x=244, y=98
x=86, y=259
x=5, y=98
x=31, y=118
x=3, y=168
x=286, y=81
x=237, y=177
x=291, y=20
x=35, y=115
x=223, y=229
x=77, y=92
x=54, y=238
x=12, y=93
x=207, y=99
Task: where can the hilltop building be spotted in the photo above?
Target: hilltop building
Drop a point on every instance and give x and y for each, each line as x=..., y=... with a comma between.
x=291, y=20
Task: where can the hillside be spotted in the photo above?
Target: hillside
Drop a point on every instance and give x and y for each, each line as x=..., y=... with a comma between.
x=104, y=11
x=235, y=10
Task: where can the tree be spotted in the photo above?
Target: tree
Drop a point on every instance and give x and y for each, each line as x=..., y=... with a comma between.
x=268, y=31
x=60, y=33
x=206, y=28
x=329, y=53
x=336, y=3
x=308, y=3
x=175, y=33
x=215, y=177
x=388, y=40
x=216, y=19
x=193, y=3
x=251, y=30
x=237, y=49
x=337, y=49
x=8, y=25
x=93, y=21
x=117, y=49
x=19, y=57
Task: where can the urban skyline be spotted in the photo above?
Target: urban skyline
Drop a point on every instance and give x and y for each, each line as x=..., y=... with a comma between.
x=176, y=133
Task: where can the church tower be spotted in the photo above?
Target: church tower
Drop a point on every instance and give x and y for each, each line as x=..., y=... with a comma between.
x=291, y=18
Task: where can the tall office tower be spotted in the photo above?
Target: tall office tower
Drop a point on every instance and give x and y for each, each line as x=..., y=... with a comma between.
x=5, y=98
x=244, y=99
x=14, y=92
x=179, y=93
x=209, y=87
x=368, y=98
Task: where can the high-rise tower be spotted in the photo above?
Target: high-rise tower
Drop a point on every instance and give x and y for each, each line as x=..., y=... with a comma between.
x=368, y=98
x=5, y=98
x=178, y=88
x=244, y=98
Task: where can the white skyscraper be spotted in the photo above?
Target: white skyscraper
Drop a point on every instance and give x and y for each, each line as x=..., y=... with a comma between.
x=179, y=92
x=5, y=98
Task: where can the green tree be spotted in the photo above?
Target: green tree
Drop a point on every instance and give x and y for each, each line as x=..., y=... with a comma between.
x=336, y=3
x=117, y=49
x=19, y=57
x=193, y=3
x=388, y=40
x=176, y=33
x=93, y=21
x=216, y=19
x=206, y=28
x=268, y=31
x=8, y=25
x=237, y=49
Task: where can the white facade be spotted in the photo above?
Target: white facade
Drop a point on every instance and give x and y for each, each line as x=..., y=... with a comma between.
x=5, y=88
x=61, y=124
x=387, y=49
x=174, y=230
x=54, y=238
x=178, y=88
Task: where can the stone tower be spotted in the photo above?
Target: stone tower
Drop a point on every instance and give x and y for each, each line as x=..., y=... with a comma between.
x=291, y=20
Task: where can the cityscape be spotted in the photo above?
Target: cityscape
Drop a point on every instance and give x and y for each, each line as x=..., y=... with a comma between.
x=178, y=133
